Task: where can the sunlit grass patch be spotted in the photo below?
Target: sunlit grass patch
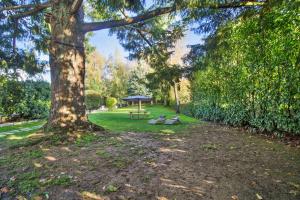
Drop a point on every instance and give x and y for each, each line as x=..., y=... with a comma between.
x=15, y=135
x=119, y=120
x=20, y=126
x=19, y=136
x=167, y=131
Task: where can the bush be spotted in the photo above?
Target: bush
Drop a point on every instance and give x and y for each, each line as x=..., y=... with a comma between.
x=92, y=100
x=187, y=109
x=111, y=102
x=25, y=99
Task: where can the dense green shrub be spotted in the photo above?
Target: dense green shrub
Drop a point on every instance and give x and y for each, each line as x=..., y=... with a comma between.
x=25, y=99
x=187, y=109
x=111, y=102
x=250, y=72
x=92, y=99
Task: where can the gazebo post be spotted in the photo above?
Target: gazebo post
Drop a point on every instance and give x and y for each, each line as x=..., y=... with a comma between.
x=140, y=105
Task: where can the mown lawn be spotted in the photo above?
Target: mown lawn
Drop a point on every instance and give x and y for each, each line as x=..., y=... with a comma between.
x=20, y=126
x=18, y=137
x=119, y=121
x=115, y=121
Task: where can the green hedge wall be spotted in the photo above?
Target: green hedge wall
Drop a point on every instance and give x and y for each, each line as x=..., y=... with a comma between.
x=25, y=99
x=250, y=72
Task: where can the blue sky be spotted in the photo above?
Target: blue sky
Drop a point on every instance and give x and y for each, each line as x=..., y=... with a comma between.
x=107, y=45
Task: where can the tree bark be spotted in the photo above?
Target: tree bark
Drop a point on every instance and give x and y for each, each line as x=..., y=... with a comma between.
x=176, y=98
x=67, y=67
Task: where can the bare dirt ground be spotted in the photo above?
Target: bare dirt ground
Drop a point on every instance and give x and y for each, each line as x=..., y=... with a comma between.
x=207, y=162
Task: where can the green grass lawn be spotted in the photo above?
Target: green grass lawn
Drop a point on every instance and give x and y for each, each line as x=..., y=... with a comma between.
x=19, y=126
x=116, y=121
x=18, y=137
x=119, y=121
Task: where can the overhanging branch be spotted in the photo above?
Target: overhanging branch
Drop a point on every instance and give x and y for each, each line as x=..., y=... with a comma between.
x=94, y=26
x=30, y=12
x=17, y=7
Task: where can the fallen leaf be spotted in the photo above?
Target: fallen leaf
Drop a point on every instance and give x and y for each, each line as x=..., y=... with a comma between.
x=258, y=196
x=234, y=197
x=162, y=198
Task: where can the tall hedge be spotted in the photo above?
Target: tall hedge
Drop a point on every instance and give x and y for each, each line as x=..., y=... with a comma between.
x=250, y=72
x=93, y=99
x=25, y=99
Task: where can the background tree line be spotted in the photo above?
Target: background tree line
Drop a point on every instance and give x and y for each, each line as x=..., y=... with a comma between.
x=112, y=77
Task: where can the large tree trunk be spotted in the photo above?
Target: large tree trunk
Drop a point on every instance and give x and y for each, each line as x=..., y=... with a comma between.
x=67, y=66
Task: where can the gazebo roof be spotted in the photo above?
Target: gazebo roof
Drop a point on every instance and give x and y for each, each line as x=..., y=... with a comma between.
x=137, y=98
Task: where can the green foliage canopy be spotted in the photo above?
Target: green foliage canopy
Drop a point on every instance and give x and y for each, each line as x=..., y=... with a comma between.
x=27, y=99
x=248, y=72
x=137, y=83
x=111, y=102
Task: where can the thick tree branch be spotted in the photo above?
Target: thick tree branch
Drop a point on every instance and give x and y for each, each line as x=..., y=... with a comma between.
x=138, y=30
x=33, y=6
x=30, y=12
x=94, y=26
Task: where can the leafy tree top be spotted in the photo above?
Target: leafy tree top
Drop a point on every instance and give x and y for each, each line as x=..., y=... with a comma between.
x=26, y=22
